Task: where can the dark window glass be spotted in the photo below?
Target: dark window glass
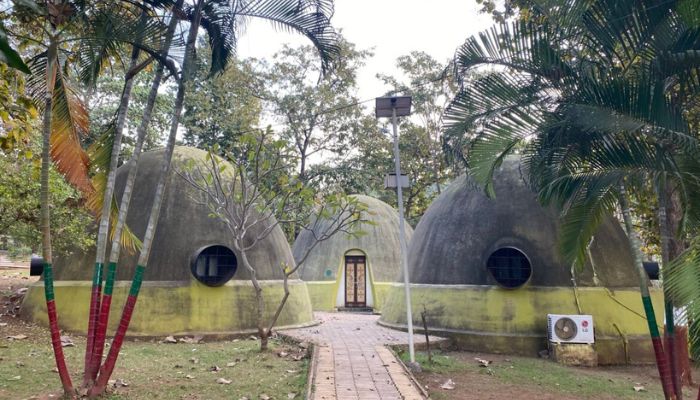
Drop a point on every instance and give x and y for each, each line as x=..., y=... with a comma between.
x=214, y=265
x=509, y=267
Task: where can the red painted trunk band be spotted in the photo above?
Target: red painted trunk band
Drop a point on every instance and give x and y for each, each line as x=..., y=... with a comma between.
x=110, y=362
x=664, y=368
x=58, y=348
x=100, y=334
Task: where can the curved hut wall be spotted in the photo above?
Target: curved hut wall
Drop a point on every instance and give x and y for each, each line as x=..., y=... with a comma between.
x=487, y=304
x=172, y=299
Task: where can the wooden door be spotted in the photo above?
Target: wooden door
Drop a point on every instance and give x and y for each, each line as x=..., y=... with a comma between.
x=355, y=281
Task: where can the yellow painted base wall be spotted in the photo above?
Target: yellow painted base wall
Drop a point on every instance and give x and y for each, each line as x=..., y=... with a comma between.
x=486, y=318
x=175, y=308
x=323, y=294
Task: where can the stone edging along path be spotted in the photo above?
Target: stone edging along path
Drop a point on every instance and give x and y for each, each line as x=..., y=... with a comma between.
x=352, y=362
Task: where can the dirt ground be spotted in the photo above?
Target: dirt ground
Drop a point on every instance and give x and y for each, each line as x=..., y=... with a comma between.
x=13, y=283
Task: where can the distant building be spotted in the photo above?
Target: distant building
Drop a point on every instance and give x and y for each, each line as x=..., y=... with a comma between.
x=347, y=272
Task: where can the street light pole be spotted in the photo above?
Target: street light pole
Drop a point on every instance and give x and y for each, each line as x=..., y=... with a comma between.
x=402, y=238
x=400, y=106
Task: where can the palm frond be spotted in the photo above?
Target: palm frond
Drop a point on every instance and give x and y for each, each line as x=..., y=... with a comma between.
x=682, y=283
x=70, y=121
x=8, y=55
x=100, y=154
x=220, y=24
x=310, y=18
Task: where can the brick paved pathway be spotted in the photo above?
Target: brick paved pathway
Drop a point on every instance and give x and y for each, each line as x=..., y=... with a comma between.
x=352, y=362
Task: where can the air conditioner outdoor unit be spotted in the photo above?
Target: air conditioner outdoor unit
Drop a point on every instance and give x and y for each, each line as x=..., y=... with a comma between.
x=570, y=328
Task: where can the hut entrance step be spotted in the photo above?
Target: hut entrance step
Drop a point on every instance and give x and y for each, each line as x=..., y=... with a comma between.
x=369, y=310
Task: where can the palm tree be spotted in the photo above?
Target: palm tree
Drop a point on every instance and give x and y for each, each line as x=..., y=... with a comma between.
x=588, y=93
x=102, y=318
x=221, y=20
x=68, y=32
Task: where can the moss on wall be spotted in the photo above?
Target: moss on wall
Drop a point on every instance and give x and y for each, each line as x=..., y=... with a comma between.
x=175, y=308
x=323, y=294
x=515, y=321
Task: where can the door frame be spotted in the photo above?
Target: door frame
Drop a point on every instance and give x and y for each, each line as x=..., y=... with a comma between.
x=354, y=260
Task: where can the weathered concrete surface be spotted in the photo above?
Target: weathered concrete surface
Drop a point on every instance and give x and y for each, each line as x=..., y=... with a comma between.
x=184, y=227
x=492, y=319
x=574, y=354
x=380, y=244
x=174, y=308
x=324, y=266
x=352, y=360
x=172, y=301
x=462, y=227
x=447, y=263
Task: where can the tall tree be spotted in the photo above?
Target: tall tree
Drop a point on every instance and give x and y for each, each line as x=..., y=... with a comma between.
x=585, y=91
x=220, y=19
x=431, y=88
x=318, y=112
x=221, y=108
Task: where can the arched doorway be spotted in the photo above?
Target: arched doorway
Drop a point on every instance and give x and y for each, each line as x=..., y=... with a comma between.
x=355, y=281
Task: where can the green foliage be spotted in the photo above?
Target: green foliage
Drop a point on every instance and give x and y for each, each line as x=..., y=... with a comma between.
x=8, y=55
x=682, y=283
x=17, y=111
x=19, y=207
x=587, y=112
x=220, y=108
x=104, y=103
x=319, y=111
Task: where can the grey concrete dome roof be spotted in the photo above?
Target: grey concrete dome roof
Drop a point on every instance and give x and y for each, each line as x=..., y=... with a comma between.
x=380, y=244
x=184, y=228
x=463, y=227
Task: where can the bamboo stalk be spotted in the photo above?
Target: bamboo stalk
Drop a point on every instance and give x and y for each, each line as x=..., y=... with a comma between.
x=95, y=299
x=670, y=332
x=108, y=367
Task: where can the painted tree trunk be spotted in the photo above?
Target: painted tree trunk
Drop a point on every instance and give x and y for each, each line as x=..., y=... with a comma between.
x=661, y=358
x=670, y=331
x=110, y=362
x=103, y=321
x=44, y=198
x=108, y=367
x=96, y=335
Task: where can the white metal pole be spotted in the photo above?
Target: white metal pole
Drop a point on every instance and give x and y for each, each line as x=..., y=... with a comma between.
x=402, y=239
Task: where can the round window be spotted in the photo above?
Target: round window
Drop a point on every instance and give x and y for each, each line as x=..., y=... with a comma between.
x=509, y=267
x=214, y=265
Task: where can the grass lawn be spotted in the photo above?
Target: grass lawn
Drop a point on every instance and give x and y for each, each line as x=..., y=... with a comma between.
x=509, y=377
x=163, y=371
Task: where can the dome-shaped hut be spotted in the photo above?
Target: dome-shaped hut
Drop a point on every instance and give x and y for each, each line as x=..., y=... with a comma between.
x=488, y=271
x=192, y=283
x=353, y=271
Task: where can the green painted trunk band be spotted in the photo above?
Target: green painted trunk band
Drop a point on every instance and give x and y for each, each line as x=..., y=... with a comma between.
x=48, y=282
x=138, y=279
x=651, y=316
x=109, y=280
x=670, y=323
x=97, y=275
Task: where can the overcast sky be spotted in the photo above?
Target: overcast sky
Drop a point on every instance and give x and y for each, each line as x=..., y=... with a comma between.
x=391, y=27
